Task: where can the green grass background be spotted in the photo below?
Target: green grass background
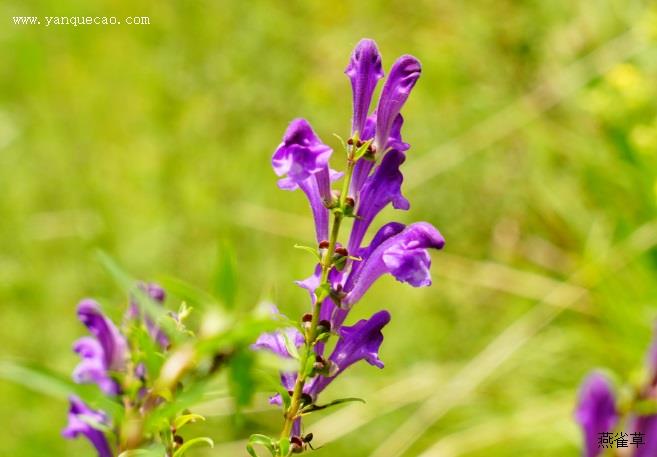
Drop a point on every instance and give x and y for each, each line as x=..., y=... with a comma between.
x=534, y=150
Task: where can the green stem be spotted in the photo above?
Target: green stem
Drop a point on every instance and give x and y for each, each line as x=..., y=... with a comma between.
x=311, y=336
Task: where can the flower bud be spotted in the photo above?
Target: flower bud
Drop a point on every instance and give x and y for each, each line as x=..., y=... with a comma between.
x=324, y=326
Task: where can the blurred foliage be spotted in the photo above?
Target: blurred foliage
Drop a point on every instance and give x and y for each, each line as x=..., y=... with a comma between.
x=534, y=139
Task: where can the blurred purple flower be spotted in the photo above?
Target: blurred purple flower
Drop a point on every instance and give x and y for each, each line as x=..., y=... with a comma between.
x=158, y=295
x=80, y=418
x=596, y=412
x=92, y=368
x=100, y=355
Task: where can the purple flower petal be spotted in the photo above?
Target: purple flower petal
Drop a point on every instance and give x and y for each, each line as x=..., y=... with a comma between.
x=112, y=342
x=276, y=341
x=93, y=368
x=361, y=341
x=302, y=161
x=404, y=255
x=390, y=229
x=301, y=154
x=401, y=80
x=364, y=71
x=320, y=212
x=648, y=426
x=596, y=412
x=380, y=189
x=364, y=167
x=78, y=426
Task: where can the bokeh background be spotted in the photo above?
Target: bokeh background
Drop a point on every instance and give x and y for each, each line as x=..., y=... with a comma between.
x=534, y=150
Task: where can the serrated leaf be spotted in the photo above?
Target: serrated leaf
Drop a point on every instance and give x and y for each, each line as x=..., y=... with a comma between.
x=262, y=440
x=191, y=443
x=312, y=408
x=183, y=420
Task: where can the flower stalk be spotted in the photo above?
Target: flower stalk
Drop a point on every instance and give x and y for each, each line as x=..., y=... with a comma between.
x=321, y=292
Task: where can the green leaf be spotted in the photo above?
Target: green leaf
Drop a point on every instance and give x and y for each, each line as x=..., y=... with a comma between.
x=143, y=453
x=645, y=407
x=148, y=350
x=41, y=380
x=362, y=150
x=309, y=367
x=262, y=440
x=187, y=292
x=156, y=450
x=312, y=408
x=342, y=142
x=187, y=398
x=241, y=380
x=290, y=346
x=284, y=446
x=225, y=276
x=312, y=251
x=183, y=420
x=191, y=443
x=322, y=292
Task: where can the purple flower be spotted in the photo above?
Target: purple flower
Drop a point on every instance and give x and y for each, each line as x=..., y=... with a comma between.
x=80, y=417
x=361, y=341
x=158, y=295
x=92, y=368
x=596, y=412
x=364, y=71
x=100, y=355
x=401, y=80
x=404, y=255
x=380, y=189
x=300, y=155
x=277, y=343
x=302, y=159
